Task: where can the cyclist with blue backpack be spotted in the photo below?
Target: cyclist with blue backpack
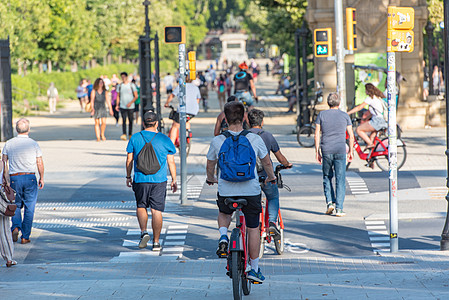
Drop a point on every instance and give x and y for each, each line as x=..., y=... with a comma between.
x=244, y=86
x=236, y=152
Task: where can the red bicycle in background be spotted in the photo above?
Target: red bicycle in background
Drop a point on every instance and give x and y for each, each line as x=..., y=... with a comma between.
x=378, y=154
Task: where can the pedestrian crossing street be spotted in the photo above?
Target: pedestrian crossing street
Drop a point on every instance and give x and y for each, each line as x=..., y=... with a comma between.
x=378, y=235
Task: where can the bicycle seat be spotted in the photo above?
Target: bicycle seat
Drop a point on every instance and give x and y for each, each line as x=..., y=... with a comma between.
x=235, y=203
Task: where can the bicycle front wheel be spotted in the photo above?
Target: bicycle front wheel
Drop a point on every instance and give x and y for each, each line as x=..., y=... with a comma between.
x=306, y=136
x=236, y=274
x=279, y=242
x=382, y=161
x=262, y=246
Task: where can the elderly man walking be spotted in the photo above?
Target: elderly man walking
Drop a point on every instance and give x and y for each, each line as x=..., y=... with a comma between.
x=24, y=156
x=331, y=128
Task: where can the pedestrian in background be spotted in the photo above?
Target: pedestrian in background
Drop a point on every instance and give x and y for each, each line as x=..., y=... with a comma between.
x=126, y=97
x=114, y=102
x=24, y=156
x=101, y=106
x=169, y=81
x=81, y=94
x=150, y=190
x=6, y=243
x=53, y=97
x=221, y=91
x=331, y=152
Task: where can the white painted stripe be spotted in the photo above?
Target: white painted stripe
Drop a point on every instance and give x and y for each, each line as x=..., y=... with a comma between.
x=173, y=249
x=376, y=227
x=380, y=245
x=378, y=232
x=174, y=243
x=175, y=237
x=138, y=254
x=381, y=250
x=374, y=222
x=379, y=238
x=177, y=232
x=177, y=227
x=135, y=243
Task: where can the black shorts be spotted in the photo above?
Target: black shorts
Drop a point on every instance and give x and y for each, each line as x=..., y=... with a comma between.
x=136, y=107
x=150, y=195
x=169, y=91
x=176, y=117
x=251, y=210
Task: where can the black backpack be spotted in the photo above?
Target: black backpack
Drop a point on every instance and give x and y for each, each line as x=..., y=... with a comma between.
x=147, y=161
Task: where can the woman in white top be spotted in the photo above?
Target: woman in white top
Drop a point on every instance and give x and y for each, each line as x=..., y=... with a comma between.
x=376, y=110
x=6, y=243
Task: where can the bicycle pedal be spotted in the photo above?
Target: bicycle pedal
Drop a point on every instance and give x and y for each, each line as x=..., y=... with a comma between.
x=255, y=282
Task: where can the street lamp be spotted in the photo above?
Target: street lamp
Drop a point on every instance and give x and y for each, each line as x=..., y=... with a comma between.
x=429, y=32
x=444, y=243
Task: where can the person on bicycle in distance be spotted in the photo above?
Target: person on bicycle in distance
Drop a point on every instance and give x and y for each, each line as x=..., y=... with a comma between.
x=376, y=109
x=243, y=85
x=270, y=189
x=193, y=98
x=221, y=125
x=248, y=189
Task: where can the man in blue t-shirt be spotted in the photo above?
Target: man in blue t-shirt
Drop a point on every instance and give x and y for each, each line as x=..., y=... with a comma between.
x=331, y=128
x=150, y=190
x=270, y=189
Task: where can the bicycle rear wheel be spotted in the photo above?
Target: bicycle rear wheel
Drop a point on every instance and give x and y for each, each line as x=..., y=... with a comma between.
x=262, y=246
x=382, y=161
x=306, y=136
x=236, y=274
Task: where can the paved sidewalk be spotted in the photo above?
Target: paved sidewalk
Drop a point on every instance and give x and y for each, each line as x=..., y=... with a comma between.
x=407, y=275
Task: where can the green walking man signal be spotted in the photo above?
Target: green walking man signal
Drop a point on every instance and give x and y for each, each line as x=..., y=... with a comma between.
x=323, y=42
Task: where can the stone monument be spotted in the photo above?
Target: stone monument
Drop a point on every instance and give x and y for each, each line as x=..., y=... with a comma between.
x=371, y=16
x=233, y=41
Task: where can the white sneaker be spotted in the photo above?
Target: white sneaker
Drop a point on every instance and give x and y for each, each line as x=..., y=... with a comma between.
x=330, y=208
x=340, y=213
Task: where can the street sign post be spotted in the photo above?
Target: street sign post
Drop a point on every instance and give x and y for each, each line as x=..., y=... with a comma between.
x=177, y=35
x=400, y=25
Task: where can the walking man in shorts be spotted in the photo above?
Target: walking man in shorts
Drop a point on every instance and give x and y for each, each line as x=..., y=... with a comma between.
x=150, y=190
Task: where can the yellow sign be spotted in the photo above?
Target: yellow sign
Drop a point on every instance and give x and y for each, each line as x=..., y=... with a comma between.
x=400, y=41
x=191, y=56
x=402, y=18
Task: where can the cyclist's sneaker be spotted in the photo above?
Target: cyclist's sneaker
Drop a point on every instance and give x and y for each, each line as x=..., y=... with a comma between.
x=157, y=247
x=256, y=276
x=330, y=208
x=340, y=213
x=144, y=238
x=222, y=250
x=273, y=230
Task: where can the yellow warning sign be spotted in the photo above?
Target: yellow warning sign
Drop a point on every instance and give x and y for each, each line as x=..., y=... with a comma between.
x=400, y=41
x=402, y=18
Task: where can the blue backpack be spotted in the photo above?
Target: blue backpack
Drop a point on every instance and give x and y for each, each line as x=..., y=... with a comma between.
x=236, y=158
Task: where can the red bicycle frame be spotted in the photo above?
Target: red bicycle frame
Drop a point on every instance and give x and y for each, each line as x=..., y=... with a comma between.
x=240, y=244
x=380, y=149
x=264, y=221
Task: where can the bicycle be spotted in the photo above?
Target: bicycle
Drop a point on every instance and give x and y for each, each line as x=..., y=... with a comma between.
x=265, y=235
x=306, y=133
x=379, y=154
x=189, y=135
x=242, y=99
x=238, y=253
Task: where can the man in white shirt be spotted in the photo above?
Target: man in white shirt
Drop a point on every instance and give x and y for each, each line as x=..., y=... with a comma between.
x=24, y=156
x=248, y=190
x=193, y=97
x=169, y=81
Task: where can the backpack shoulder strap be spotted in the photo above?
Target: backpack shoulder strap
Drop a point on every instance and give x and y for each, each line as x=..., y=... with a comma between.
x=260, y=132
x=226, y=134
x=245, y=132
x=143, y=137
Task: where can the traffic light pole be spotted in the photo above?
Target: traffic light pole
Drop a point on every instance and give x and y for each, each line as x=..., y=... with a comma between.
x=340, y=53
x=182, y=121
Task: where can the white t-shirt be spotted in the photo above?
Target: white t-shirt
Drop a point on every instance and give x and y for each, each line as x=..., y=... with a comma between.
x=234, y=189
x=22, y=152
x=107, y=83
x=375, y=106
x=192, y=96
x=168, y=81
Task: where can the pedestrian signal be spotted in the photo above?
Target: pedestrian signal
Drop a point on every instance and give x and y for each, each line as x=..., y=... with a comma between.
x=351, y=33
x=323, y=42
x=192, y=64
x=175, y=34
